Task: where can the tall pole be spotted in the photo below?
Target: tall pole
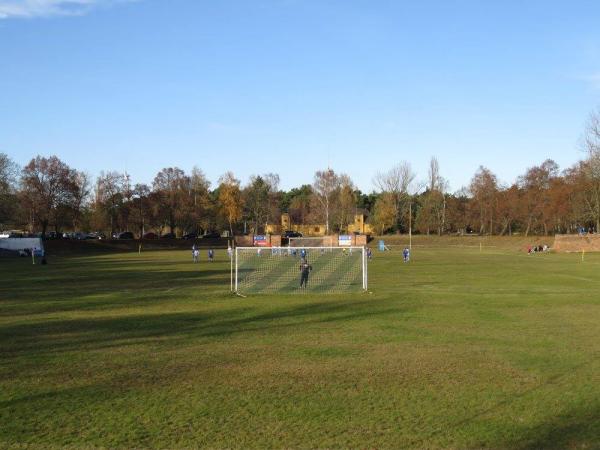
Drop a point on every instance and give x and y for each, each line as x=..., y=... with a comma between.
x=410, y=224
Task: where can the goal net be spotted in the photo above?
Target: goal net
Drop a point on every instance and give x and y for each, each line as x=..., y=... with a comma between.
x=318, y=241
x=295, y=270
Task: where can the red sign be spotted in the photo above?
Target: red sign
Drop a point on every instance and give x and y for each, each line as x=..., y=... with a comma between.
x=260, y=241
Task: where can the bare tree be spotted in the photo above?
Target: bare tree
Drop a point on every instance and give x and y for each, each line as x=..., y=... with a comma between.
x=171, y=185
x=484, y=191
x=201, y=201
x=398, y=182
x=592, y=134
x=47, y=186
x=8, y=182
x=433, y=210
x=536, y=187
x=81, y=195
x=110, y=195
x=8, y=173
x=140, y=194
x=592, y=167
x=395, y=181
x=273, y=180
x=325, y=184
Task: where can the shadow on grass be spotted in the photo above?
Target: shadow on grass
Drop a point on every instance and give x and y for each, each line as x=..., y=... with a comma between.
x=575, y=429
x=50, y=398
x=97, y=285
x=94, y=333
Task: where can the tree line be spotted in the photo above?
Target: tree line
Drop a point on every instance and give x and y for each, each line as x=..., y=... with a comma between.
x=48, y=195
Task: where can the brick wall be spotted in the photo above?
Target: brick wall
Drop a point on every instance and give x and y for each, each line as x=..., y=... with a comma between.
x=360, y=240
x=244, y=241
x=275, y=240
x=576, y=243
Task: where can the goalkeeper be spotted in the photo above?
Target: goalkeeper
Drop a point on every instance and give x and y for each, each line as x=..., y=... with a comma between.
x=305, y=269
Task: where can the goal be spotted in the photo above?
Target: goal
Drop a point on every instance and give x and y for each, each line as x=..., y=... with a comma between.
x=318, y=241
x=282, y=270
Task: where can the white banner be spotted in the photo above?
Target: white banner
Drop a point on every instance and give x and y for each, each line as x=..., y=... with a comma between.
x=17, y=244
x=345, y=240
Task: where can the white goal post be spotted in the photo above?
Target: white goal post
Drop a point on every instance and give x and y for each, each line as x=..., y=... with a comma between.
x=289, y=270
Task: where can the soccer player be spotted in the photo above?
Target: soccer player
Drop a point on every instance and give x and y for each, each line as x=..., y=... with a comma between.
x=195, y=254
x=229, y=251
x=303, y=253
x=406, y=254
x=305, y=269
x=211, y=255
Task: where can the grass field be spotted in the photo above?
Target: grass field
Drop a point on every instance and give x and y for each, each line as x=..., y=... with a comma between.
x=458, y=349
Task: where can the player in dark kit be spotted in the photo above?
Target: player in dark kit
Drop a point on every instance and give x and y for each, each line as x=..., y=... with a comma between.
x=305, y=269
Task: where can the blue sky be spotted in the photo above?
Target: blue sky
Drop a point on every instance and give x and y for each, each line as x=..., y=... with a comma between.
x=291, y=86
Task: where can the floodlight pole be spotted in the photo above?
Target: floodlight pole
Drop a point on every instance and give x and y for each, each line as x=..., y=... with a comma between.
x=410, y=224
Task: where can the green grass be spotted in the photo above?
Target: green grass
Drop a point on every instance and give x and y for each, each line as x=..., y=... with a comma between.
x=458, y=349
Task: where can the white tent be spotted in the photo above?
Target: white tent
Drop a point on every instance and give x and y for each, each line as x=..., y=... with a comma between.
x=19, y=244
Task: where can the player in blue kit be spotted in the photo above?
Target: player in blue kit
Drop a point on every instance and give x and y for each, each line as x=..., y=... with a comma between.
x=406, y=254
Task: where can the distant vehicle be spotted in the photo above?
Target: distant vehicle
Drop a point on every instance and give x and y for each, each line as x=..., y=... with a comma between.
x=291, y=234
x=150, y=235
x=126, y=235
x=212, y=235
x=13, y=234
x=80, y=236
x=190, y=236
x=51, y=235
x=96, y=235
x=168, y=236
